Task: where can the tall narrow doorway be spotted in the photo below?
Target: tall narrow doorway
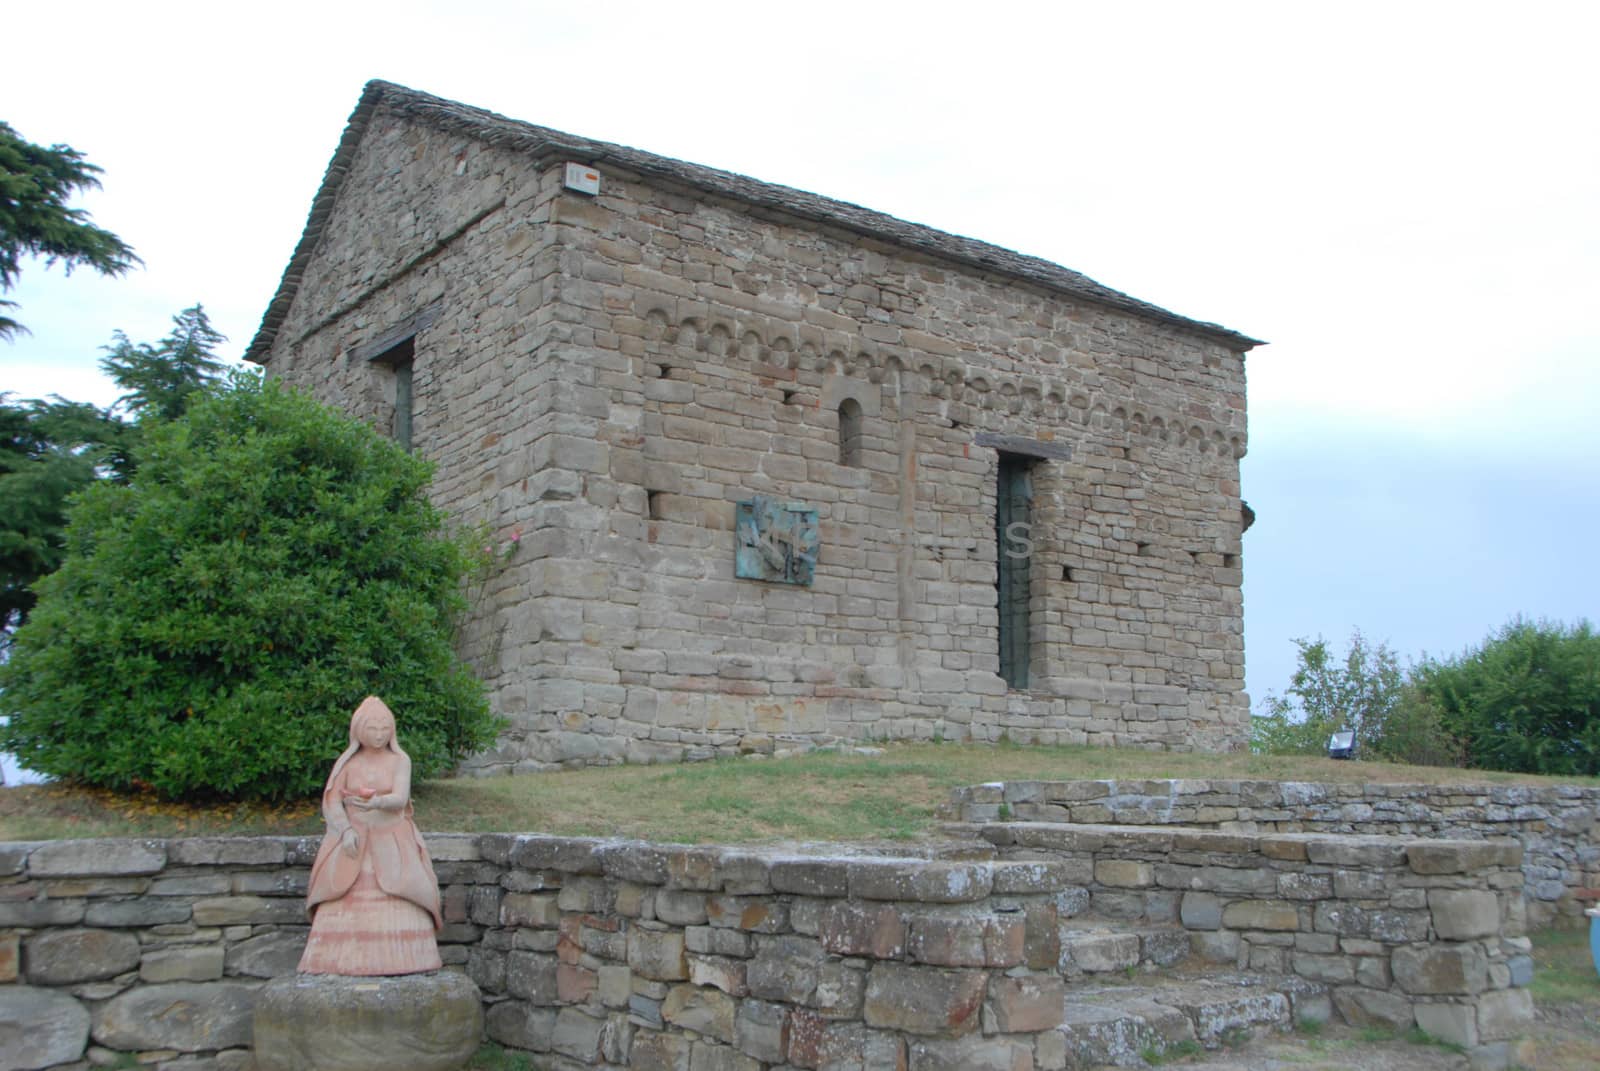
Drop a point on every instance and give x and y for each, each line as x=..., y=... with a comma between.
x=1013, y=518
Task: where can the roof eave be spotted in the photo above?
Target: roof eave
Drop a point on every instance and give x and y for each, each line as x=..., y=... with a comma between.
x=547, y=145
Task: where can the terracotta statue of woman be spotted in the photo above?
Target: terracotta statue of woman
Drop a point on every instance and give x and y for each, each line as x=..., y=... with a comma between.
x=373, y=898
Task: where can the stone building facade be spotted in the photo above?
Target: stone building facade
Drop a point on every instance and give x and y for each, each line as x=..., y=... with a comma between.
x=976, y=495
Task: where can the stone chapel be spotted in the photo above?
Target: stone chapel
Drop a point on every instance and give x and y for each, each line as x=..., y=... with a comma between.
x=765, y=468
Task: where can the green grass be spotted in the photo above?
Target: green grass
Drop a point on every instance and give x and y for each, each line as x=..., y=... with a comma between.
x=492, y=1057
x=825, y=795
x=1563, y=969
x=1155, y=1055
x=1418, y=1036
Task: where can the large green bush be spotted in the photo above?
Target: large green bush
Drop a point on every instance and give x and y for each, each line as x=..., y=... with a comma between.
x=1527, y=700
x=215, y=622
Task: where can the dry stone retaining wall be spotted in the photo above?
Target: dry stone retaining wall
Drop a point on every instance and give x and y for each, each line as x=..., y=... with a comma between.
x=624, y=954
x=1403, y=932
x=1556, y=824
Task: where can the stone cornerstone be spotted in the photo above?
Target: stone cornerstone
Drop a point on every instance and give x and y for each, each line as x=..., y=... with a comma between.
x=766, y=467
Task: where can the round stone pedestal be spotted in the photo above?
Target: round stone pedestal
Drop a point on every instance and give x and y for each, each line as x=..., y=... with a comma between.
x=330, y=1022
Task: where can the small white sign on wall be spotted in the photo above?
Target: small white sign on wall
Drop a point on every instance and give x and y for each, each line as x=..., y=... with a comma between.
x=583, y=179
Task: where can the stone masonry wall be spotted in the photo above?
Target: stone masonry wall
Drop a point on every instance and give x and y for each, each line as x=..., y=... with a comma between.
x=1402, y=932
x=602, y=379
x=624, y=954
x=1557, y=825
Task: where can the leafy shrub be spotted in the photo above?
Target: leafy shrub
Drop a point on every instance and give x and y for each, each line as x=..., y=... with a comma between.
x=1528, y=700
x=1327, y=694
x=1365, y=692
x=215, y=622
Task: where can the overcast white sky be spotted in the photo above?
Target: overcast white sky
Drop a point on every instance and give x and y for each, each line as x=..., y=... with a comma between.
x=1401, y=197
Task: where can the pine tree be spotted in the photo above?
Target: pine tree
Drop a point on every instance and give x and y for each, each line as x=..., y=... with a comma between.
x=163, y=379
x=35, y=183
x=48, y=451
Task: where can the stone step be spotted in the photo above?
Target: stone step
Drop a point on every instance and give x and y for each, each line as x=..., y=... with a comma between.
x=1125, y=1025
x=1091, y=945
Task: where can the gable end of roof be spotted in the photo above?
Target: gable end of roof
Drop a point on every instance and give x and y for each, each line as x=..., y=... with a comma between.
x=545, y=145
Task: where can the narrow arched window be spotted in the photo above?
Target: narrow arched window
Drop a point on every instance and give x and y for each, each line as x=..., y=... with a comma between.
x=850, y=433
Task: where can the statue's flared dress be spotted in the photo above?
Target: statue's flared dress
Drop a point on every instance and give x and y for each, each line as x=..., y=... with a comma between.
x=376, y=912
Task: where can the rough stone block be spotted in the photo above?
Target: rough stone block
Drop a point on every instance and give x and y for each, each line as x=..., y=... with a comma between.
x=1023, y=1005
x=1041, y=947
x=1163, y=947
x=520, y=1026
x=681, y=907
x=656, y=954
x=587, y=895
x=579, y=1035
x=39, y=913
x=1461, y=856
x=101, y=858
x=1097, y=953
x=1440, y=970
x=924, y=1000
x=756, y=914
x=852, y=928
x=707, y=1056
x=14, y=856
x=920, y=880
x=695, y=869
x=1360, y=885
x=716, y=942
x=67, y=957
x=1373, y=1007
x=635, y=861
x=195, y=963
x=1124, y=873
x=701, y=1009
x=1453, y=1023
x=1464, y=914
x=1334, y=969
x=1397, y=927
x=786, y=969
x=41, y=1027
x=1291, y=848
x=1358, y=852
x=422, y=1022
x=227, y=851
x=761, y=1031
x=811, y=877
x=1504, y=1014
x=1261, y=915
x=575, y=984
x=1220, y=946
x=615, y=985
x=970, y=1054
x=720, y=972
x=255, y=910
x=1293, y=886
x=532, y=976
x=529, y=909
x=657, y=1051
x=185, y=1016
x=1029, y=876
x=142, y=912
x=1201, y=911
